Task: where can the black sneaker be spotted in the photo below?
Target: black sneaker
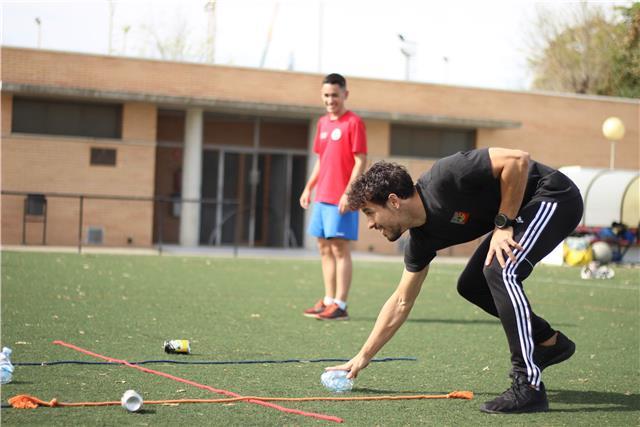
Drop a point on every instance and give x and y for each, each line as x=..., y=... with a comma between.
x=559, y=352
x=519, y=398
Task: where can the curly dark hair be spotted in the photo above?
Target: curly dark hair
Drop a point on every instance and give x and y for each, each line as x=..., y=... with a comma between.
x=375, y=185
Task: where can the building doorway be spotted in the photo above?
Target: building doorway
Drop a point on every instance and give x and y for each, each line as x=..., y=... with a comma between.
x=256, y=198
x=253, y=172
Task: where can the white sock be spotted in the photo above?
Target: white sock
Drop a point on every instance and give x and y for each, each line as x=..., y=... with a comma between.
x=328, y=300
x=341, y=304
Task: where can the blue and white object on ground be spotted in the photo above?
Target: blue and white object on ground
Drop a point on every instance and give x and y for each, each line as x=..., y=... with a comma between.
x=336, y=381
x=6, y=368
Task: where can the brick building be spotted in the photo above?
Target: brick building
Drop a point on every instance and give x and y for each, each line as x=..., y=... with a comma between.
x=123, y=131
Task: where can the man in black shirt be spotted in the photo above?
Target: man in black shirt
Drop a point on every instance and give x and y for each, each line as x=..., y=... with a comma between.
x=526, y=207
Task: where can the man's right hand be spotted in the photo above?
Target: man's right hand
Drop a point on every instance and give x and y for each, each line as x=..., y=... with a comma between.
x=354, y=366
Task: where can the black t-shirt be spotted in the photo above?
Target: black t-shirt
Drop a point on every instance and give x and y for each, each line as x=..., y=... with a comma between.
x=462, y=197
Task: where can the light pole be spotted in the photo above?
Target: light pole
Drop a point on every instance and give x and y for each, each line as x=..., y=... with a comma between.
x=112, y=8
x=613, y=130
x=408, y=49
x=125, y=32
x=210, y=9
x=39, y=24
x=445, y=59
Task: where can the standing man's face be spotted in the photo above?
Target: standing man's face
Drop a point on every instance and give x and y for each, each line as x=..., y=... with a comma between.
x=334, y=97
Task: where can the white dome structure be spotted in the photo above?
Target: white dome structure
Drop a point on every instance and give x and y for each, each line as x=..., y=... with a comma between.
x=608, y=195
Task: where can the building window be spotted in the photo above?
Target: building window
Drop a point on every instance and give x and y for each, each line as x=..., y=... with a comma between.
x=103, y=156
x=36, y=204
x=95, y=235
x=415, y=141
x=72, y=118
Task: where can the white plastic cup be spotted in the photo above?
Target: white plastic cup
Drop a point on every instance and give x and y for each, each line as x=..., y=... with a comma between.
x=131, y=401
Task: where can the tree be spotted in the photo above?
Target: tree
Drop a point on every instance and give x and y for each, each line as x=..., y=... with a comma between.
x=587, y=53
x=625, y=78
x=174, y=43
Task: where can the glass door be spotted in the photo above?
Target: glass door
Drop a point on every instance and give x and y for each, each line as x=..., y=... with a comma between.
x=256, y=198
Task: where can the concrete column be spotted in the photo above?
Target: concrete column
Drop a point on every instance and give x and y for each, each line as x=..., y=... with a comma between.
x=310, y=242
x=191, y=178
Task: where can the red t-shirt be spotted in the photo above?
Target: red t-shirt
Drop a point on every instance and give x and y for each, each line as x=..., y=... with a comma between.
x=336, y=143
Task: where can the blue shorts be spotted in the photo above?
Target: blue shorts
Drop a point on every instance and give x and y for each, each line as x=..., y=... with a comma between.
x=326, y=222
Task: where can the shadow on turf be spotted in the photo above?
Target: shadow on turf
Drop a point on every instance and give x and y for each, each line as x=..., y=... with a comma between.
x=447, y=321
x=394, y=392
x=622, y=402
x=590, y=401
x=457, y=321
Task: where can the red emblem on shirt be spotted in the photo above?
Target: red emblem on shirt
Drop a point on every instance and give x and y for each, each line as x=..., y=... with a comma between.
x=460, y=217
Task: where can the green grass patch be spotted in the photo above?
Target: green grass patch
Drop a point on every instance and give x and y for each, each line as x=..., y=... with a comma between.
x=242, y=309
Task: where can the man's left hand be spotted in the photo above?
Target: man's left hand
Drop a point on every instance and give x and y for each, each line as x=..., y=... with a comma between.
x=501, y=243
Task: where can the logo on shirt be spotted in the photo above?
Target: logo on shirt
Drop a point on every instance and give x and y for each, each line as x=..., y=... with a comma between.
x=323, y=135
x=460, y=217
x=336, y=134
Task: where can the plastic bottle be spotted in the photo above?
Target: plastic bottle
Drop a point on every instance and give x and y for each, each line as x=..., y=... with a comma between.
x=6, y=368
x=336, y=381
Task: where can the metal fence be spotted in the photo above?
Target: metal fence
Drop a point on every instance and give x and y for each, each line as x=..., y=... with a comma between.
x=66, y=219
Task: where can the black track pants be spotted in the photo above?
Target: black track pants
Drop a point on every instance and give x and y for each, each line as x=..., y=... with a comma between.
x=499, y=292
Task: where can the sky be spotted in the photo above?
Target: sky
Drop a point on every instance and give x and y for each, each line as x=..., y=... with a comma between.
x=464, y=43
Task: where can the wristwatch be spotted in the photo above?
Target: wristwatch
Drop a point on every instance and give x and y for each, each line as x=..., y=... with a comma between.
x=502, y=221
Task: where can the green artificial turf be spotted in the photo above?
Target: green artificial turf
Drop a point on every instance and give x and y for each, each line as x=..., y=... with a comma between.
x=247, y=309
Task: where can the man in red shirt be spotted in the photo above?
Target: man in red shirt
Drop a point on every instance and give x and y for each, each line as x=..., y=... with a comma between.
x=341, y=146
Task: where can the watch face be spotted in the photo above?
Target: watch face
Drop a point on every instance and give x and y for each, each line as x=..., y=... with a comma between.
x=500, y=220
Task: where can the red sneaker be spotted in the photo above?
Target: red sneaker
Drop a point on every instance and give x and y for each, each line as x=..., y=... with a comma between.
x=333, y=312
x=315, y=310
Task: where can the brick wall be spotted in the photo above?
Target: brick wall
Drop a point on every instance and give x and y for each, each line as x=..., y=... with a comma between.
x=556, y=129
x=139, y=122
x=6, y=112
x=49, y=164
